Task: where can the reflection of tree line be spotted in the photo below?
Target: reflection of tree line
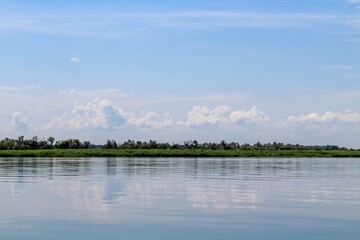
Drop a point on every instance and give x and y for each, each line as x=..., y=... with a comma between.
x=44, y=167
x=221, y=168
x=36, y=143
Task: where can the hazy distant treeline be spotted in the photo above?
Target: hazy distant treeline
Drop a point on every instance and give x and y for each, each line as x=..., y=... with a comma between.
x=36, y=143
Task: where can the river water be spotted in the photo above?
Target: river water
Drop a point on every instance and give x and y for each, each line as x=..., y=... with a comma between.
x=179, y=198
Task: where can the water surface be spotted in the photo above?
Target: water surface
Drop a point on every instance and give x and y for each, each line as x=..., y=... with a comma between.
x=176, y=198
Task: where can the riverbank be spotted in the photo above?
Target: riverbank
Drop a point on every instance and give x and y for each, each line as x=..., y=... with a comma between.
x=77, y=153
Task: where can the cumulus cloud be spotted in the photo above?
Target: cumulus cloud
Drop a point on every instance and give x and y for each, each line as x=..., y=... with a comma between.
x=222, y=115
x=19, y=122
x=151, y=120
x=97, y=114
x=254, y=116
x=327, y=117
x=199, y=116
x=103, y=114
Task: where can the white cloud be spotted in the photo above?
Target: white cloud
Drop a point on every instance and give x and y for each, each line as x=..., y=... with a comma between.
x=98, y=114
x=254, y=116
x=353, y=1
x=96, y=92
x=200, y=116
x=75, y=59
x=19, y=122
x=338, y=67
x=327, y=117
x=103, y=114
x=222, y=115
x=206, y=98
x=151, y=120
x=354, y=23
x=354, y=40
x=350, y=76
x=143, y=114
x=8, y=88
x=17, y=89
x=124, y=24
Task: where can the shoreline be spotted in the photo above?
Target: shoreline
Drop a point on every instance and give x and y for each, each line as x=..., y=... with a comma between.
x=81, y=153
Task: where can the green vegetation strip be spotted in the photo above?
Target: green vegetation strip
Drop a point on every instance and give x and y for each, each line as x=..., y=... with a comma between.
x=75, y=153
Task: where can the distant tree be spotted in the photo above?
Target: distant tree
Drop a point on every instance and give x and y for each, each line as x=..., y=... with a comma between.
x=111, y=144
x=86, y=144
x=34, y=143
x=153, y=144
x=51, y=141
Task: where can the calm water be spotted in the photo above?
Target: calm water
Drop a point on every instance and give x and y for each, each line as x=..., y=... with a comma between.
x=168, y=198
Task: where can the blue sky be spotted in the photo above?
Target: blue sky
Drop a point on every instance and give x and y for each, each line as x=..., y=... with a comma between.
x=244, y=71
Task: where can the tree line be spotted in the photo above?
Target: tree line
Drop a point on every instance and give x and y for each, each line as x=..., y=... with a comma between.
x=36, y=143
x=223, y=145
x=41, y=143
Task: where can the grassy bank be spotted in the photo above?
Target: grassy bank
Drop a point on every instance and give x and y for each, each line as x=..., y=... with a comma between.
x=176, y=153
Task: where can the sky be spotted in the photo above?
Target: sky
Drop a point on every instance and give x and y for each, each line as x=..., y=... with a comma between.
x=245, y=71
